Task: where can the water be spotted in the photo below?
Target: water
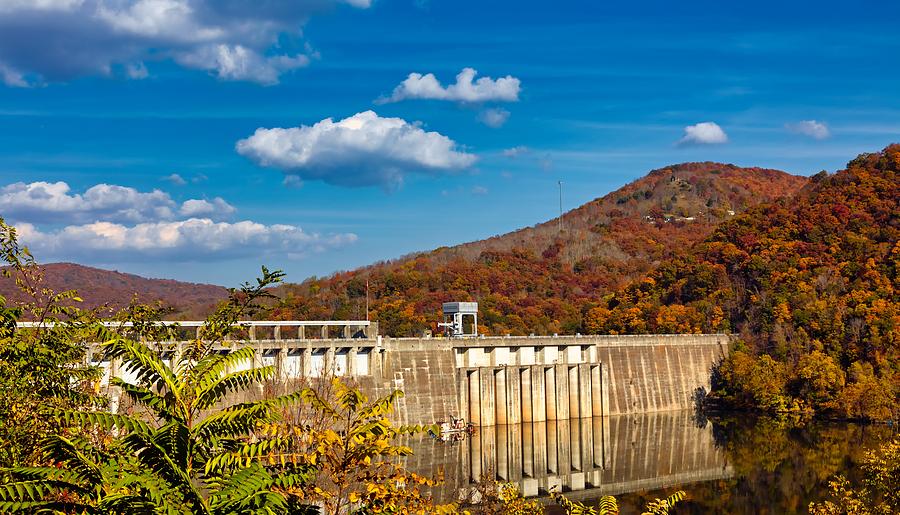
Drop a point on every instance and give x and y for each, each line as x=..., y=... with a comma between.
x=726, y=465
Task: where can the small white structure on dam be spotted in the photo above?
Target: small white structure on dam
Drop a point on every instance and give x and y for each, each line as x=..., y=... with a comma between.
x=456, y=317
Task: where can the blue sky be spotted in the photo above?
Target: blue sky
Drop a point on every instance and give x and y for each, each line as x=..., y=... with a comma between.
x=138, y=107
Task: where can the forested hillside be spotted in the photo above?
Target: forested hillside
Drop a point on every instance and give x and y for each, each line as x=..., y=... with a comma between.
x=542, y=279
x=810, y=283
x=97, y=287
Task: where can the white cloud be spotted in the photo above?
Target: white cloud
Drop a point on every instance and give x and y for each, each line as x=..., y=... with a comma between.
x=216, y=209
x=811, y=128
x=362, y=150
x=52, y=40
x=479, y=190
x=175, y=179
x=241, y=63
x=515, y=152
x=704, y=133
x=185, y=240
x=485, y=89
x=494, y=117
x=46, y=202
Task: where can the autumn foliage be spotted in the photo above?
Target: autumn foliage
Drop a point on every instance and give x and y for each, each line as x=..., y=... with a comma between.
x=542, y=280
x=809, y=283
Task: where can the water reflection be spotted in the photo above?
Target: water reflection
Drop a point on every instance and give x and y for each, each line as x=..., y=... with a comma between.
x=587, y=457
x=737, y=465
x=776, y=466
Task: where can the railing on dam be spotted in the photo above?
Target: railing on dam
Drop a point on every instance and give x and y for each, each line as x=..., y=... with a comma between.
x=296, y=348
x=259, y=329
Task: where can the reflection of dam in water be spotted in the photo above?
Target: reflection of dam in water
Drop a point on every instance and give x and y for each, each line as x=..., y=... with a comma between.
x=594, y=456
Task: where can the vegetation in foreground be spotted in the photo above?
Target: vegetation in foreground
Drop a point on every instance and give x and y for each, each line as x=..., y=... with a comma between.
x=181, y=446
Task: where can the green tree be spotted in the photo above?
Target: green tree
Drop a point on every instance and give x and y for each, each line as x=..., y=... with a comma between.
x=41, y=369
x=176, y=457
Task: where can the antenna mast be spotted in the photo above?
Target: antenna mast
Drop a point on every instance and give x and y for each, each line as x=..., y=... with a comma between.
x=560, y=208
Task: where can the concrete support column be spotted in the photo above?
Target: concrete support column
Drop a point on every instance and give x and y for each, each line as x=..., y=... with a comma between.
x=574, y=393
x=527, y=394
x=462, y=382
x=538, y=396
x=553, y=447
x=502, y=466
x=488, y=398
x=596, y=399
x=514, y=441
x=280, y=358
x=604, y=389
x=528, y=450
x=306, y=363
x=584, y=391
x=513, y=395
x=198, y=332
x=324, y=332
x=475, y=397
x=301, y=332
x=251, y=332
x=550, y=394
x=540, y=449
x=347, y=332
x=500, y=402
x=329, y=362
x=562, y=392
x=257, y=357
x=351, y=361
x=563, y=442
x=276, y=333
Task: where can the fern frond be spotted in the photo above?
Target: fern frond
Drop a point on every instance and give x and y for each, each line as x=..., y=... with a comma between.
x=108, y=421
x=74, y=458
x=208, y=395
x=147, y=365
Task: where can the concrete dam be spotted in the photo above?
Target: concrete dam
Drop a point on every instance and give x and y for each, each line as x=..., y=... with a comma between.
x=486, y=380
x=553, y=411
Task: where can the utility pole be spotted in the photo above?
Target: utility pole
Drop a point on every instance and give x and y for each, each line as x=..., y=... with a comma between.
x=560, y=207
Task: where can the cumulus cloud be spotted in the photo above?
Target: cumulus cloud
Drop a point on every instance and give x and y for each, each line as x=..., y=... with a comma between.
x=184, y=240
x=362, y=150
x=217, y=208
x=811, y=128
x=46, y=202
x=466, y=89
x=52, y=40
x=479, y=190
x=494, y=117
x=704, y=133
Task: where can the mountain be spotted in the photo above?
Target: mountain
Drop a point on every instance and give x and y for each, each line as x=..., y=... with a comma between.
x=813, y=286
x=542, y=279
x=98, y=287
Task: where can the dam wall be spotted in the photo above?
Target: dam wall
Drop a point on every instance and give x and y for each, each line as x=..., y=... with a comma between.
x=512, y=380
x=498, y=380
